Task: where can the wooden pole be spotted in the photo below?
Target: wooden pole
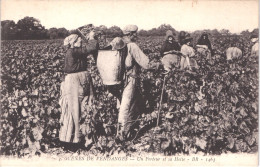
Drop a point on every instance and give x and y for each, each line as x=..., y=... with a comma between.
x=82, y=35
x=160, y=104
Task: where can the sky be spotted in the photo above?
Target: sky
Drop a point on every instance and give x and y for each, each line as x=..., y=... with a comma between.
x=187, y=15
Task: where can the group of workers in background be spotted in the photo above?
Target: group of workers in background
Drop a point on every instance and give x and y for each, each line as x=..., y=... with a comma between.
x=78, y=83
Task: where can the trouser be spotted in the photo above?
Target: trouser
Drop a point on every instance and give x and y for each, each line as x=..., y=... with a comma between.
x=132, y=105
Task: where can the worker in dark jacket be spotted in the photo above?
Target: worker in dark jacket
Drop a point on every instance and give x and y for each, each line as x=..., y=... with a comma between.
x=169, y=44
x=77, y=86
x=181, y=37
x=204, y=41
x=170, y=51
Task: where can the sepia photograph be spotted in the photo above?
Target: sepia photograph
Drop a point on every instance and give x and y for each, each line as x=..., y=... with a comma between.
x=129, y=83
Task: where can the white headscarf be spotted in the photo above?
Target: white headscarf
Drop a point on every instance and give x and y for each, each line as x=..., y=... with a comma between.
x=73, y=40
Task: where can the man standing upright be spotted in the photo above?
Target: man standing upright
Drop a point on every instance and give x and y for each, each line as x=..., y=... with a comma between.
x=132, y=103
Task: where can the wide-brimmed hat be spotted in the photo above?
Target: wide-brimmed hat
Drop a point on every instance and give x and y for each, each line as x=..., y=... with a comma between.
x=130, y=28
x=187, y=38
x=117, y=43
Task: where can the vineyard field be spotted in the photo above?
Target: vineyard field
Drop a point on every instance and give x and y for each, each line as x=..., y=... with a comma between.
x=211, y=111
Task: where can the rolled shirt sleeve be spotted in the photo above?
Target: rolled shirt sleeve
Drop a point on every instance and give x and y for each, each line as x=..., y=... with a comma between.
x=139, y=56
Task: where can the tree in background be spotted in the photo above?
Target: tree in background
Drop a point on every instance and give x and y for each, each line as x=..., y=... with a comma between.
x=160, y=31
x=30, y=28
x=143, y=33
x=62, y=32
x=102, y=28
x=57, y=33
x=114, y=31
x=52, y=33
x=163, y=28
x=8, y=29
x=224, y=32
x=245, y=33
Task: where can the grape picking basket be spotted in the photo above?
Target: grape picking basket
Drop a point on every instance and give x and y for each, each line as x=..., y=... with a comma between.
x=110, y=66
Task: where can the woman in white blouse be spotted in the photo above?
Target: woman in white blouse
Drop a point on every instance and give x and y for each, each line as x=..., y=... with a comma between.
x=188, y=53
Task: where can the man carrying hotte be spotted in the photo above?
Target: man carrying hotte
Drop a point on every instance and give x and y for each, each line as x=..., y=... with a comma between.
x=132, y=102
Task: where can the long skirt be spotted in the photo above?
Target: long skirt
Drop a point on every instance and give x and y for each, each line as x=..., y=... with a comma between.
x=75, y=88
x=188, y=63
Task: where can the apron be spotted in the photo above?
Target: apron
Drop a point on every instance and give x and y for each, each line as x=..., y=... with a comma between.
x=75, y=88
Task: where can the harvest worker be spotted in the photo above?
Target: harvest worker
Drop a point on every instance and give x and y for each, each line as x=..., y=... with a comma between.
x=169, y=45
x=132, y=103
x=187, y=61
x=254, y=40
x=77, y=85
x=204, y=42
x=170, y=50
x=181, y=37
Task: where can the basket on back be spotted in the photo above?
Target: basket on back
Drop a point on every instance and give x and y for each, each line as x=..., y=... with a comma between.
x=169, y=61
x=233, y=53
x=111, y=63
